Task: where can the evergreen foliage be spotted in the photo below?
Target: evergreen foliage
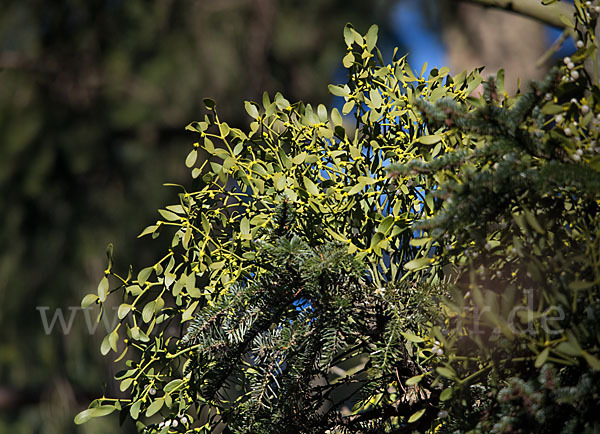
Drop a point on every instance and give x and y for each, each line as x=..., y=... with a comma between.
x=435, y=268
x=520, y=226
x=264, y=353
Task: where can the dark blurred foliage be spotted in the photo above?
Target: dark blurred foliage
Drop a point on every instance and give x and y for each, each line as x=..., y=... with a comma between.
x=94, y=98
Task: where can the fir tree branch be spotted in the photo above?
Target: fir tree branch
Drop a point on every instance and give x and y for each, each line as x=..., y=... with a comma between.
x=549, y=14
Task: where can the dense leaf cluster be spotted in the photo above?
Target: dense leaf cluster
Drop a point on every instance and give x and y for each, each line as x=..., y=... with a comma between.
x=193, y=324
x=432, y=267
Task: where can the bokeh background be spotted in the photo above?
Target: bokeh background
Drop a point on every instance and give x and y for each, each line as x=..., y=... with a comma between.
x=94, y=99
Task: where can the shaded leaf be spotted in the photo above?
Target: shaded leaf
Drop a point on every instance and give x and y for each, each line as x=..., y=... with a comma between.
x=416, y=416
x=90, y=413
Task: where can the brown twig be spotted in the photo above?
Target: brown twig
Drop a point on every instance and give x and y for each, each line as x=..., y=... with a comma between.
x=549, y=14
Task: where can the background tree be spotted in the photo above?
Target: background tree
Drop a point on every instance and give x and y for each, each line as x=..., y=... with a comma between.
x=492, y=38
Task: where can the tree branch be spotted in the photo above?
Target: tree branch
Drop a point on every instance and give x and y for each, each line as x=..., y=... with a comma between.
x=549, y=14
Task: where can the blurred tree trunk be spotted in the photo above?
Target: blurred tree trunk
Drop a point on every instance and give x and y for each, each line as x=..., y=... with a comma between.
x=478, y=36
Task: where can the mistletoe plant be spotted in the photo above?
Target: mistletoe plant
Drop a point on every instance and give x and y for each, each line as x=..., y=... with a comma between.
x=425, y=260
x=255, y=319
